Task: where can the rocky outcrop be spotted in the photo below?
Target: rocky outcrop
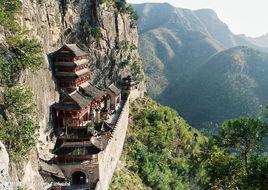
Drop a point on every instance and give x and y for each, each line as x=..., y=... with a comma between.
x=4, y=176
x=115, y=49
x=109, y=36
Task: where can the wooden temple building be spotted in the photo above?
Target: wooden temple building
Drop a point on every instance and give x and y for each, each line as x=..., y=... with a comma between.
x=80, y=106
x=71, y=66
x=82, y=117
x=115, y=96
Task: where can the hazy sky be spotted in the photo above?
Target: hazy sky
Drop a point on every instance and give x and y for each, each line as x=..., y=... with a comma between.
x=248, y=17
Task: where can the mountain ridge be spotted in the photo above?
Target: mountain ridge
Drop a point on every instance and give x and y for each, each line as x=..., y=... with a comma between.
x=176, y=55
x=229, y=85
x=200, y=17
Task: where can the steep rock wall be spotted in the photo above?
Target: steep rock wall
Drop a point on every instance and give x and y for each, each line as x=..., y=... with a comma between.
x=54, y=23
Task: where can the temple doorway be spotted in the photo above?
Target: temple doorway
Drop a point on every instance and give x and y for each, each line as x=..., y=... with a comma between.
x=79, y=178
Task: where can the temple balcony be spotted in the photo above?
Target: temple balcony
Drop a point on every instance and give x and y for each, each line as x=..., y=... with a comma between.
x=75, y=132
x=70, y=159
x=71, y=63
x=72, y=74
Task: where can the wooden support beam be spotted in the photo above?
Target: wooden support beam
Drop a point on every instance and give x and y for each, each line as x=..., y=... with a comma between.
x=78, y=116
x=72, y=120
x=58, y=118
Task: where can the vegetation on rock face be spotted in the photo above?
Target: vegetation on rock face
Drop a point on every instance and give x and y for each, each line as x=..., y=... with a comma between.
x=22, y=188
x=7, y=11
x=124, y=7
x=18, y=53
x=159, y=147
x=127, y=179
x=21, y=52
x=163, y=152
x=17, y=129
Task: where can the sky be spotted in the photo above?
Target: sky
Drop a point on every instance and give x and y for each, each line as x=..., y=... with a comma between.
x=249, y=17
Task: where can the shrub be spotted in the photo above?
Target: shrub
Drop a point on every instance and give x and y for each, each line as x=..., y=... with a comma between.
x=23, y=53
x=68, y=31
x=125, y=63
x=122, y=6
x=17, y=128
x=7, y=10
x=133, y=47
x=96, y=32
x=19, y=101
x=123, y=45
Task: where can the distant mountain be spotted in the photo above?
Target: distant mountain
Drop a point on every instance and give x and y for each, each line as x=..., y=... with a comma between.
x=154, y=16
x=232, y=83
x=174, y=42
x=260, y=41
x=178, y=46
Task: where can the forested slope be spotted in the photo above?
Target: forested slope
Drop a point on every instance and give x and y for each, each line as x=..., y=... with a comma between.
x=163, y=152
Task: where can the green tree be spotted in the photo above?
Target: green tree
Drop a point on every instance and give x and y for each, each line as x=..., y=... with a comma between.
x=7, y=10
x=22, y=52
x=121, y=5
x=19, y=101
x=258, y=173
x=19, y=137
x=244, y=135
x=220, y=169
x=160, y=145
x=17, y=128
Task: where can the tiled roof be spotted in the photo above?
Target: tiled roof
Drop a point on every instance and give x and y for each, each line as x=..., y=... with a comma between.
x=81, y=100
x=92, y=91
x=114, y=89
x=76, y=50
x=100, y=141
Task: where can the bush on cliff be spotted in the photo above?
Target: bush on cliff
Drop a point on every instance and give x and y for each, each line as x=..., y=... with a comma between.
x=163, y=152
x=159, y=146
x=17, y=109
x=17, y=128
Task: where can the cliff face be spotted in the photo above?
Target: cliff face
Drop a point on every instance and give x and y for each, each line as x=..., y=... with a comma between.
x=114, y=46
x=110, y=37
x=108, y=34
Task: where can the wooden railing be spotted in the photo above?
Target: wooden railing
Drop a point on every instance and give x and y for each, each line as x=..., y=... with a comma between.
x=77, y=159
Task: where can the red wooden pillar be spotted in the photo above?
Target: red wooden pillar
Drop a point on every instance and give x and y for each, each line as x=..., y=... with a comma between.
x=86, y=114
x=72, y=121
x=85, y=117
x=64, y=117
x=78, y=115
